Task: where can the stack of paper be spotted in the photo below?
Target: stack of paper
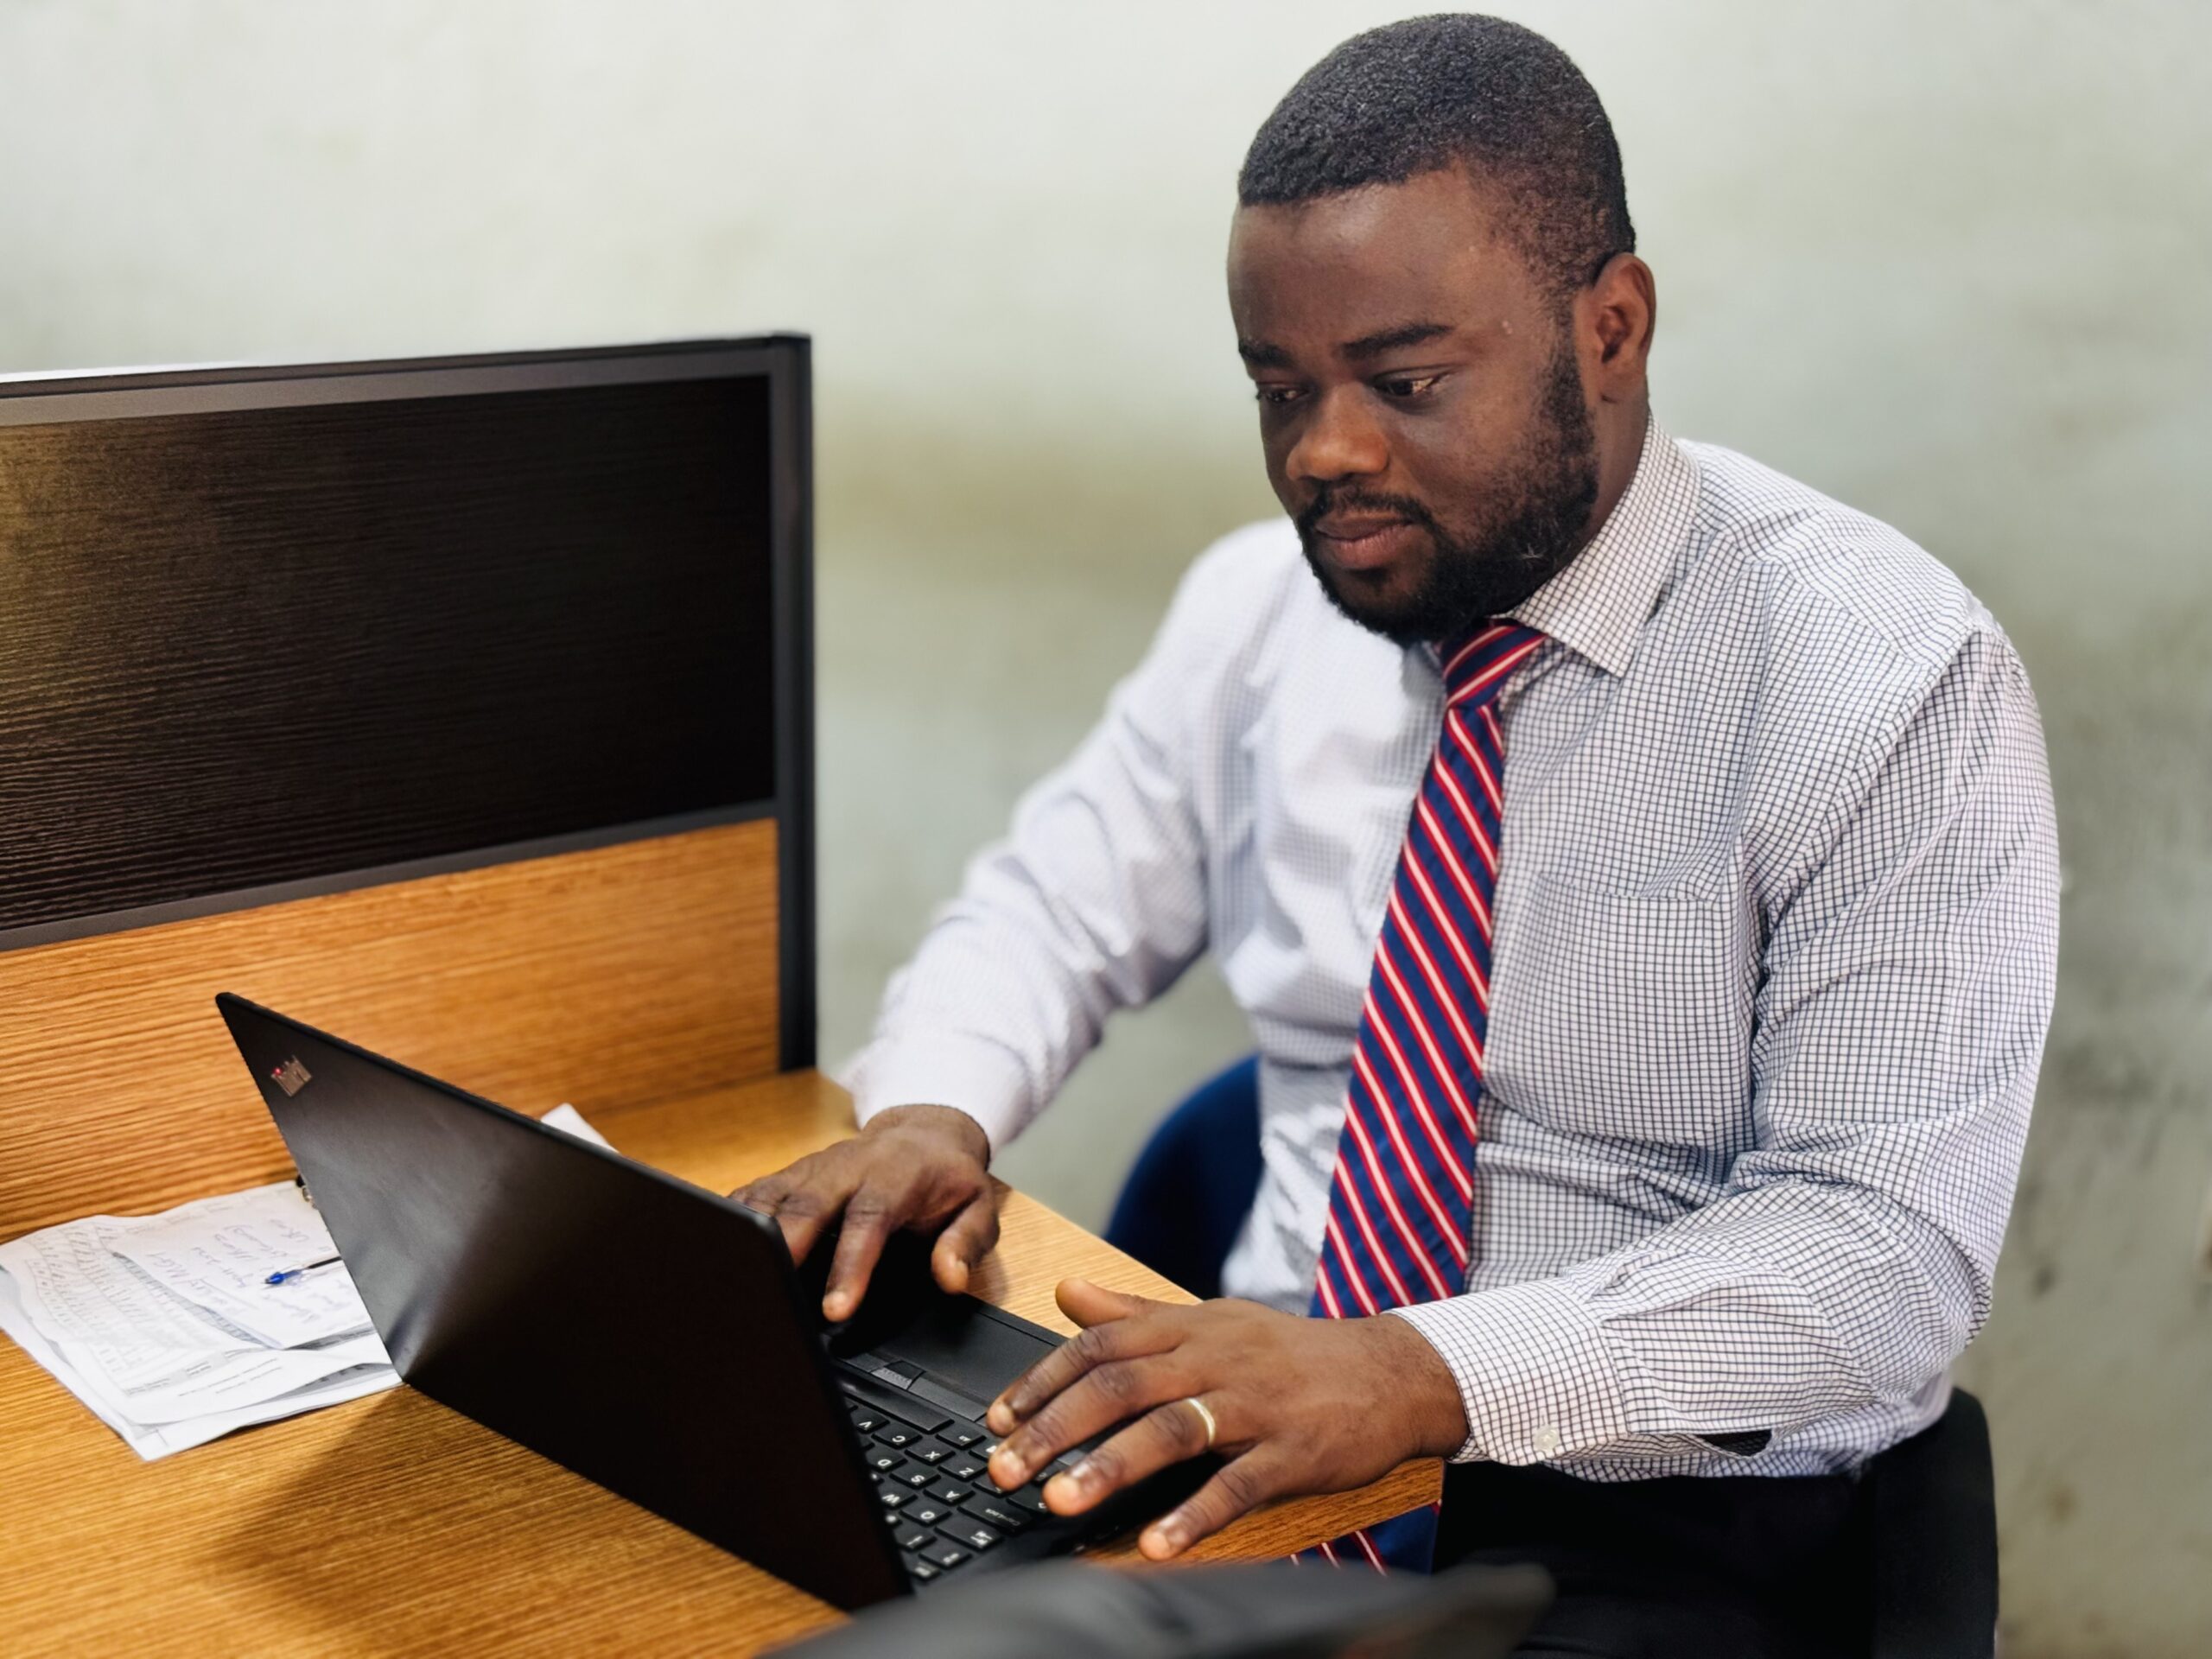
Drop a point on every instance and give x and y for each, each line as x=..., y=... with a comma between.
x=168, y=1328
x=165, y=1326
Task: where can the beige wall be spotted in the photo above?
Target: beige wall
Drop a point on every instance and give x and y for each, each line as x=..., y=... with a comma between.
x=1947, y=261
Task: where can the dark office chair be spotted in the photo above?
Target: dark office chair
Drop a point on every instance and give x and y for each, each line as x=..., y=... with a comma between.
x=1928, y=1508
x=1192, y=1185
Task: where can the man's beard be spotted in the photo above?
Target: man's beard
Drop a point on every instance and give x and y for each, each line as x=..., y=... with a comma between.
x=1533, y=536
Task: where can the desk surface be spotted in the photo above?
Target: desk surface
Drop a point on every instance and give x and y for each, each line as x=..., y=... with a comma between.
x=394, y=1525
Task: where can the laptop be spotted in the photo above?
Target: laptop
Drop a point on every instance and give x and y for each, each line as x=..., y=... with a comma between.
x=655, y=1338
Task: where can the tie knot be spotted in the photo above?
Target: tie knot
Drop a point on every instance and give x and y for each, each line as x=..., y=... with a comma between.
x=1477, y=663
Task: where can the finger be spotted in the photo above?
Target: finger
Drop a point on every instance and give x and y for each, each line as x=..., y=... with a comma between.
x=1164, y=1435
x=1094, y=1345
x=765, y=1194
x=1088, y=1304
x=1238, y=1487
x=801, y=1200
x=965, y=1241
x=1105, y=1395
x=807, y=1206
x=870, y=1216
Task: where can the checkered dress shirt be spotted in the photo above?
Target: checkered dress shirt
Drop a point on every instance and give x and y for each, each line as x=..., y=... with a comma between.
x=1777, y=924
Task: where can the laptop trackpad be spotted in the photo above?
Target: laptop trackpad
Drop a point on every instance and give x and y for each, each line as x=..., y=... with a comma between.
x=957, y=1341
x=907, y=1320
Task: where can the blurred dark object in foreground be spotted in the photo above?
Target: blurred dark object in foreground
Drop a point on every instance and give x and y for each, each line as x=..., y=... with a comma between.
x=1272, y=1611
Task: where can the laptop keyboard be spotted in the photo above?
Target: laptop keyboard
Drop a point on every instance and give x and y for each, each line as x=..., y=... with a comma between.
x=943, y=1511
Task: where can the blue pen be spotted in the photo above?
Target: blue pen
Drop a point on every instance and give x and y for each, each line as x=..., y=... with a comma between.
x=293, y=1273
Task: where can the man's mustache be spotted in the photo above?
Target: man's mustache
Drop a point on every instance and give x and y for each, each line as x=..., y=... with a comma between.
x=1327, y=501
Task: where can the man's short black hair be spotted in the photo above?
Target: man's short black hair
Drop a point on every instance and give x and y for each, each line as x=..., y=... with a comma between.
x=1460, y=90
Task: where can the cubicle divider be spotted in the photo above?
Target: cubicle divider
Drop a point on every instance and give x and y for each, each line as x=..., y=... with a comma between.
x=460, y=706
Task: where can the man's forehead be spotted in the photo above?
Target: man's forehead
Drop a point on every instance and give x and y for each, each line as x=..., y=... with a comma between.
x=1354, y=264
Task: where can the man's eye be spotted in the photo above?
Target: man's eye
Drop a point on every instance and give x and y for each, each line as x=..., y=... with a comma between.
x=1276, y=396
x=1409, y=385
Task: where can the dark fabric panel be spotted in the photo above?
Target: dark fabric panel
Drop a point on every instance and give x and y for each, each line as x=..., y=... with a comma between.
x=245, y=647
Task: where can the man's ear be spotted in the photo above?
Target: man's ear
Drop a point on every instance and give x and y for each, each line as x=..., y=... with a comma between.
x=1616, y=316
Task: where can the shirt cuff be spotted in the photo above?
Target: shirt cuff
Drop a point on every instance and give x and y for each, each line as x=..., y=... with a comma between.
x=1534, y=1375
x=969, y=1074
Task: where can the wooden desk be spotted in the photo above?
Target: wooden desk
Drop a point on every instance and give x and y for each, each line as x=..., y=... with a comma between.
x=394, y=1525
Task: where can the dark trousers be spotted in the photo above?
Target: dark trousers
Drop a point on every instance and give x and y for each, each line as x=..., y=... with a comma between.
x=1715, y=1568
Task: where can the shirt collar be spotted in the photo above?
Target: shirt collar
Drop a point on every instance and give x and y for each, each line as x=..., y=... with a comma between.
x=1599, y=603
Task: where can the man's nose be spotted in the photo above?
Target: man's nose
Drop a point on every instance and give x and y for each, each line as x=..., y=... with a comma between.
x=1339, y=440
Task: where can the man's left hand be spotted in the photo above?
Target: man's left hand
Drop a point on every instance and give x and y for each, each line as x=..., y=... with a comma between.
x=1301, y=1405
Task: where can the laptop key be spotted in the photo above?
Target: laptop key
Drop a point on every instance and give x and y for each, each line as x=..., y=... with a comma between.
x=950, y=1491
x=929, y=1451
x=998, y=1512
x=923, y=1415
x=868, y=1422
x=946, y=1555
x=964, y=1437
x=926, y=1512
x=893, y=1497
x=917, y=1569
x=896, y=1434
x=885, y=1461
x=970, y=1535
x=910, y=1538
x=918, y=1479
x=963, y=1467
x=1030, y=1497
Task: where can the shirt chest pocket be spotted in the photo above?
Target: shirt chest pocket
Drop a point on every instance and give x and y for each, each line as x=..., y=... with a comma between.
x=1627, y=1017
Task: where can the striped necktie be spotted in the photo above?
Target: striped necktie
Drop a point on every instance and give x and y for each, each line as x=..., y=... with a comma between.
x=1401, y=1205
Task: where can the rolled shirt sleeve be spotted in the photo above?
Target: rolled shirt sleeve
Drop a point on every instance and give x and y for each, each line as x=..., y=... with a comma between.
x=1907, y=984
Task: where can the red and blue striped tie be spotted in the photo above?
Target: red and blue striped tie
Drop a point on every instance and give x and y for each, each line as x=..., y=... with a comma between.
x=1400, y=1207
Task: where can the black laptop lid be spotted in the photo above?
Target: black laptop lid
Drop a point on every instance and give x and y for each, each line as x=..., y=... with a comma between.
x=643, y=1333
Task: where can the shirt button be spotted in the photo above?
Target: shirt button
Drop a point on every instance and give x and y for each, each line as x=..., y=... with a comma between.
x=1547, y=1441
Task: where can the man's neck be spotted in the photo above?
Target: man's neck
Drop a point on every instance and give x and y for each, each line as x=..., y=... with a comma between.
x=1621, y=429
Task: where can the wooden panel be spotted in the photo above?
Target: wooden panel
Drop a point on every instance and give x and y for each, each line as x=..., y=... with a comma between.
x=392, y=1526
x=632, y=972
x=241, y=647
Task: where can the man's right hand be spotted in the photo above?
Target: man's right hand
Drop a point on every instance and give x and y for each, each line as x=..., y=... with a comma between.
x=921, y=1168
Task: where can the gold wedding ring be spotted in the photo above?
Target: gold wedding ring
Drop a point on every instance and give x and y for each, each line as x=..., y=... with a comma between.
x=1205, y=1416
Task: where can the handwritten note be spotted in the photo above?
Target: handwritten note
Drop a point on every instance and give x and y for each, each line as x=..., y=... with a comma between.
x=218, y=1254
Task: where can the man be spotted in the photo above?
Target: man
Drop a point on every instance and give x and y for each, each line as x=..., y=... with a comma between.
x=1639, y=873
